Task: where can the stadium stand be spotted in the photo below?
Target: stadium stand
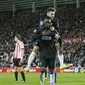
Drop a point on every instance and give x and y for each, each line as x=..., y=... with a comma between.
x=71, y=28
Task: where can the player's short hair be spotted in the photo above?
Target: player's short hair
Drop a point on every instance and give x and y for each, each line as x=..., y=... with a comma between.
x=51, y=9
x=18, y=36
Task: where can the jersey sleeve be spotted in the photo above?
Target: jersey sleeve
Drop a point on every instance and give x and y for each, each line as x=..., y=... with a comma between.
x=22, y=46
x=36, y=35
x=58, y=37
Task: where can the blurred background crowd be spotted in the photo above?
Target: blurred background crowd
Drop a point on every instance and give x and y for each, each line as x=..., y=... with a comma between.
x=71, y=25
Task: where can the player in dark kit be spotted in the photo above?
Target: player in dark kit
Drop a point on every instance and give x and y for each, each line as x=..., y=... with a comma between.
x=51, y=15
x=47, y=49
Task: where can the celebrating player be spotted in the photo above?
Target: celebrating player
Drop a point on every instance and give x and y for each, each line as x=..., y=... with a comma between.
x=51, y=14
x=18, y=58
x=47, y=49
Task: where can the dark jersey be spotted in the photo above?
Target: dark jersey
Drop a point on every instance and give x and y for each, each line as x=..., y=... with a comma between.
x=36, y=35
x=54, y=24
x=46, y=43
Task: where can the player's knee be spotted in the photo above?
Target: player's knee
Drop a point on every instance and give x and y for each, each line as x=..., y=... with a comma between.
x=16, y=69
x=21, y=69
x=36, y=49
x=57, y=45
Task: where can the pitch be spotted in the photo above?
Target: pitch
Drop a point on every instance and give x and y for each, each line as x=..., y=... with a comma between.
x=33, y=79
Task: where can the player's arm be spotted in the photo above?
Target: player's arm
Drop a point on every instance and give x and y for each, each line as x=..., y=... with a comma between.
x=22, y=51
x=58, y=40
x=13, y=54
x=11, y=61
x=59, y=46
x=36, y=35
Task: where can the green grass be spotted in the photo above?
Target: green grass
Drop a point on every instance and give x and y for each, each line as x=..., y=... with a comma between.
x=33, y=79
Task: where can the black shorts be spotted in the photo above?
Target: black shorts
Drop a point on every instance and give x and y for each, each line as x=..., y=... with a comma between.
x=17, y=62
x=47, y=60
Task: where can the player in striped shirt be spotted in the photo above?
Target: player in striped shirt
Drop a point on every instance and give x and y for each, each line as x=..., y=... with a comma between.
x=18, y=58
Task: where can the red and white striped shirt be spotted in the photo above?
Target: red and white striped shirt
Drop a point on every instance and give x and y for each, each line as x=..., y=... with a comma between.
x=18, y=50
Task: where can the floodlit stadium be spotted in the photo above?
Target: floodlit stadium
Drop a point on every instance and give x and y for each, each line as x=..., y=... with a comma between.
x=61, y=22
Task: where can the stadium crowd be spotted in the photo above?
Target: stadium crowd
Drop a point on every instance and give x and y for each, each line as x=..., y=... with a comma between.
x=71, y=28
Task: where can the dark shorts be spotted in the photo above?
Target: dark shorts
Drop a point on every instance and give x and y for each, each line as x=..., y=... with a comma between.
x=17, y=62
x=48, y=60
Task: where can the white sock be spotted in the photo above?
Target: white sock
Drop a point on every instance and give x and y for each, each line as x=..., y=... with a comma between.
x=52, y=79
x=42, y=78
x=31, y=58
x=61, y=59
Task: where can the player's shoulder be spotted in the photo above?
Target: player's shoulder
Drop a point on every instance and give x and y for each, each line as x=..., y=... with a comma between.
x=53, y=29
x=37, y=30
x=21, y=43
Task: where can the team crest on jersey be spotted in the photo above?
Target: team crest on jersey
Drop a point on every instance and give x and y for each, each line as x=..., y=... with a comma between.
x=41, y=22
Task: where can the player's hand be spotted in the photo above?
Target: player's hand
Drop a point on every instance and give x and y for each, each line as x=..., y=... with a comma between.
x=57, y=36
x=52, y=28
